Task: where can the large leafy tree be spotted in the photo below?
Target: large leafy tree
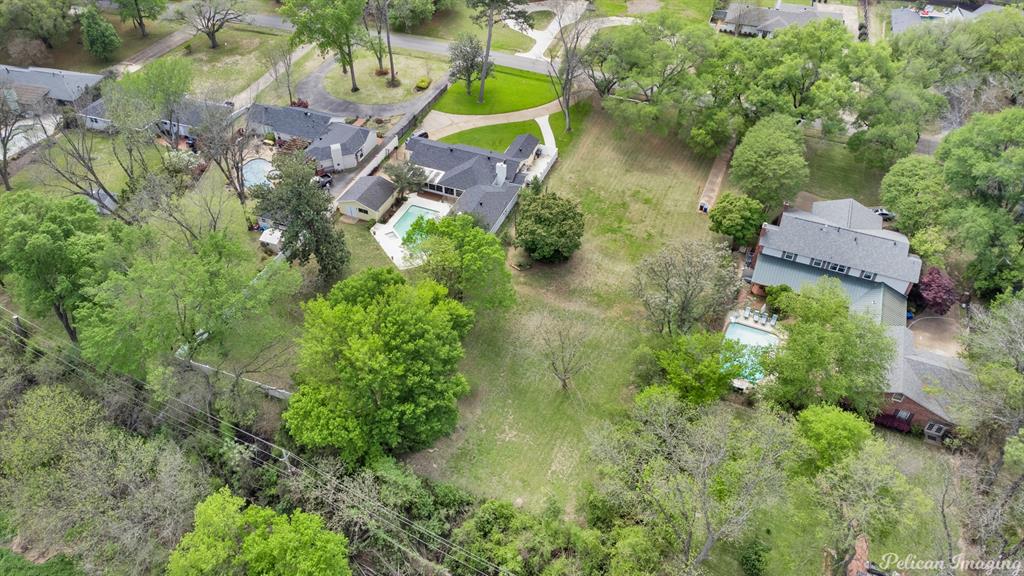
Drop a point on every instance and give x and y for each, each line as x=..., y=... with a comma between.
x=48, y=20
x=769, y=163
x=738, y=217
x=916, y=192
x=686, y=284
x=548, y=226
x=464, y=258
x=333, y=26
x=489, y=12
x=701, y=366
x=697, y=474
x=49, y=250
x=116, y=501
x=98, y=36
x=378, y=366
x=176, y=300
x=162, y=84
x=233, y=539
x=831, y=435
x=830, y=354
x=983, y=158
x=466, y=59
x=138, y=11
x=305, y=207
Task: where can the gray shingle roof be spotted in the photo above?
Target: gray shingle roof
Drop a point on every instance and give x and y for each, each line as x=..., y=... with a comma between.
x=298, y=122
x=873, y=249
x=59, y=84
x=929, y=379
x=522, y=147
x=847, y=213
x=904, y=18
x=188, y=113
x=874, y=299
x=370, y=191
x=771, y=19
x=450, y=157
x=487, y=203
x=348, y=137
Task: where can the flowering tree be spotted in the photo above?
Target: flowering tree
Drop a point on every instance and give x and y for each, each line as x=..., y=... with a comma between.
x=937, y=290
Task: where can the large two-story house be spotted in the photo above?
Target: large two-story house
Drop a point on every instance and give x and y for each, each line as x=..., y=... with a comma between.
x=845, y=240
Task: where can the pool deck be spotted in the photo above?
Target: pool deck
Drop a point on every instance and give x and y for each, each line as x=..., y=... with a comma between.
x=390, y=241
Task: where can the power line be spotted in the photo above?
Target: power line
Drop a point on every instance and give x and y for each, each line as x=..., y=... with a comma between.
x=97, y=378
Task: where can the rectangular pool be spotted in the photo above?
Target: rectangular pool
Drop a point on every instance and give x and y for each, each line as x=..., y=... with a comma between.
x=412, y=212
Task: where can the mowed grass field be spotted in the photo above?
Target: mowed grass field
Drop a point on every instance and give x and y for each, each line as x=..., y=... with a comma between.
x=520, y=437
x=373, y=89
x=507, y=90
x=449, y=24
x=220, y=73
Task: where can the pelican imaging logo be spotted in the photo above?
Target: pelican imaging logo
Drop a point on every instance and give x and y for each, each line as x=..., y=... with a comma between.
x=913, y=564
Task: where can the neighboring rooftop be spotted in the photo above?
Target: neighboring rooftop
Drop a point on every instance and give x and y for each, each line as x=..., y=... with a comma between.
x=62, y=85
x=768, y=20
x=346, y=137
x=929, y=379
x=188, y=113
x=905, y=18
x=298, y=122
x=370, y=191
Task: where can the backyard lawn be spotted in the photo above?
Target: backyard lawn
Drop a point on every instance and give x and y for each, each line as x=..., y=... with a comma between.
x=222, y=73
x=507, y=90
x=373, y=89
x=692, y=10
x=72, y=55
x=520, y=437
x=448, y=24
x=836, y=173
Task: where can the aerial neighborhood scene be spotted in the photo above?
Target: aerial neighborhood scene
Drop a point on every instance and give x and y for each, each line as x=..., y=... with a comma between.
x=511, y=288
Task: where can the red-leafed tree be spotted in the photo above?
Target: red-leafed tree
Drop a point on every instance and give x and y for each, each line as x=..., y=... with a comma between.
x=937, y=290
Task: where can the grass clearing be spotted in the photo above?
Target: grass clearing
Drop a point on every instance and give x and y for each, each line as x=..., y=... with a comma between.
x=276, y=93
x=693, y=10
x=219, y=74
x=542, y=18
x=578, y=113
x=373, y=89
x=496, y=137
x=836, y=173
x=366, y=252
x=611, y=7
x=72, y=55
x=520, y=437
x=507, y=90
x=448, y=24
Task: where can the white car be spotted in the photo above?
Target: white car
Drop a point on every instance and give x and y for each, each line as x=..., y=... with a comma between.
x=885, y=214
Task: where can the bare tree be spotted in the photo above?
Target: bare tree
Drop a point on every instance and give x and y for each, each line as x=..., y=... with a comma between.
x=378, y=11
x=228, y=147
x=191, y=216
x=567, y=69
x=135, y=120
x=12, y=126
x=211, y=16
x=596, y=63
x=685, y=284
x=72, y=156
x=564, y=350
x=278, y=58
x=699, y=473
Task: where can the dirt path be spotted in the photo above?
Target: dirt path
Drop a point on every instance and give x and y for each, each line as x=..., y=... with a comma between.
x=713, y=186
x=153, y=51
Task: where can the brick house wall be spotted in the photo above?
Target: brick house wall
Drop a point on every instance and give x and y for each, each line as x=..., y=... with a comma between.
x=921, y=415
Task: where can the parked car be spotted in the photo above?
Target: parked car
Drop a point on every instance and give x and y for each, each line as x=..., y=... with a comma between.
x=885, y=214
x=322, y=181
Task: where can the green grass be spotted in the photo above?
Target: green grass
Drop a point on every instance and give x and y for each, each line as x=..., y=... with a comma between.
x=373, y=89
x=71, y=55
x=499, y=136
x=836, y=173
x=366, y=252
x=277, y=93
x=611, y=7
x=520, y=437
x=542, y=18
x=449, y=24
x=221, y=73
x=496, y=137
x=692, y=10
x=507, y=90
x=12, y=564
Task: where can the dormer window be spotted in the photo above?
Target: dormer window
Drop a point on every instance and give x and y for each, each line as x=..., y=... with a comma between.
x=838, y=268
x=788, y=256
x=868, y=275
x=816, y=263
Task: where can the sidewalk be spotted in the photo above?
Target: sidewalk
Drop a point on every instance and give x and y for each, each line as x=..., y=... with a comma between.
x=441, y=124
x=153, y=51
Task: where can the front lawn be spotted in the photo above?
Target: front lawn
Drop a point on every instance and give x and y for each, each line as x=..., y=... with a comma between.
x=578, y=113
x=507, y=90
x=520, y=436
x=410, y=67
x=73, y=56
x=449, y=24
x=221, y=73
x=276, y=93
x=542, y=18
x=499, y=136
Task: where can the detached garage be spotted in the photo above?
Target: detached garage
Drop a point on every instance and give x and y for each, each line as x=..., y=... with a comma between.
x=368, y=198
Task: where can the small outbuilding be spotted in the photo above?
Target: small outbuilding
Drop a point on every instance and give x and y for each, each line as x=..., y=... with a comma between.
x=368, y=198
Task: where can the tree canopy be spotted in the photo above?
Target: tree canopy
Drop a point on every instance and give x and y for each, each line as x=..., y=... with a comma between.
x=701, y=365
x=548, y=226
x=832, y=434
x=739, y=217
x=378, y=366
x=98, y=36
x=769, y=163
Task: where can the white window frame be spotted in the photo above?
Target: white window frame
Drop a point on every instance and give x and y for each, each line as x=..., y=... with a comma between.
x=900, y=415
x=817, y=263
x=788, y=256
x=897, y=397
x=867, y=275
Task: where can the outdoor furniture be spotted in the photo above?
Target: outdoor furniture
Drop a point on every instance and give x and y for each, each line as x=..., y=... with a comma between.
x=746, y=312
x=775, y=318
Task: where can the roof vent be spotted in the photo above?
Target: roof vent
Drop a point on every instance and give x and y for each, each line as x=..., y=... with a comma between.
x=481, y=202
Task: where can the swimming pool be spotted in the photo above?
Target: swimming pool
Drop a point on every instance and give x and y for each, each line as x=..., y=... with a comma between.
x=412, y=213
x=254, y=172
x=756, y=341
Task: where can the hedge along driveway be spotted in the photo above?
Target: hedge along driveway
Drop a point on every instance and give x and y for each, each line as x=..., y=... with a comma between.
x=508, y=90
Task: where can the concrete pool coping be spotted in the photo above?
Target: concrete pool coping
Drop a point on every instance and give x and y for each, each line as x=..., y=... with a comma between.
x=391, y=243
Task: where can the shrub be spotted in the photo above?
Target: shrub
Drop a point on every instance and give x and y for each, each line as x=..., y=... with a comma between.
x=773, y=297
x=752, y=557
x=300, y=103
x=423, y=84
x=548, y=226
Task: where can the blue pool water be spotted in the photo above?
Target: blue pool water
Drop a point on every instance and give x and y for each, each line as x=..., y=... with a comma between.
x=255, y=172
x=410, y=216
x=756, y=341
